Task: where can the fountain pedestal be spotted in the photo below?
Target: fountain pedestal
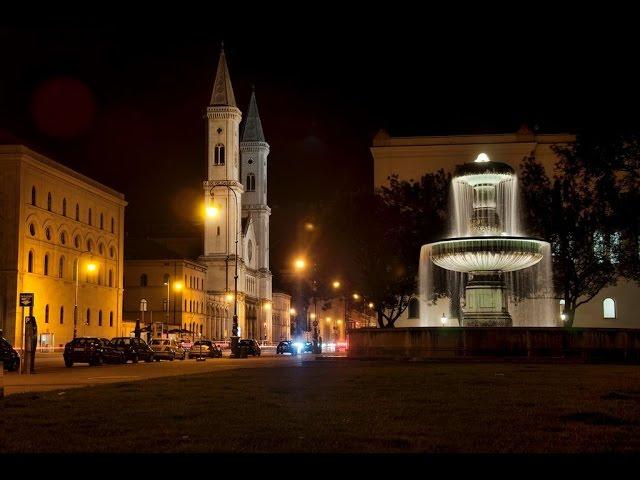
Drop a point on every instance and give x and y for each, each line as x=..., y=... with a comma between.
x=486, y=301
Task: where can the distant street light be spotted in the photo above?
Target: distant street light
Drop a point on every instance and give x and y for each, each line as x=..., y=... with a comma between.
x=336, y=284
x=91, y=267
x=443, y=319
x=299, y=264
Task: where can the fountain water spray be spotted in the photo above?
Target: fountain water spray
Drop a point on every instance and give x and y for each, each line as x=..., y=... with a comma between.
x=486, y=251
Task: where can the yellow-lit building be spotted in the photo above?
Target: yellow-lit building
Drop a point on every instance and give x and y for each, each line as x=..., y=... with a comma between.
x=281, y=317
x=180, y=285
x=61, y=238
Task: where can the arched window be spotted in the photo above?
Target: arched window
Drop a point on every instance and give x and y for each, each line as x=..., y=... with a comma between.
x=219, y=155
x=251, y=182
x=46, y=264
x=64, y=207
x=112, y=252
x=414, y=308
x=90, y=245
x=143, y=280
x=61, y=268
x=101, y=221
x=100, y=318
x=111, y=319
x=49, y=201
x=61, y=315
x=113, y=225
x=185, y=305
x=46, y=314
x=76, y=241
x=89, y=216
x=88, y=316
x=32, y=229
x=77, y=212
x=33, y=196
x=111, y=278
x=30, y=263
x=63, y=238
x=218, y=230
x=609, y=308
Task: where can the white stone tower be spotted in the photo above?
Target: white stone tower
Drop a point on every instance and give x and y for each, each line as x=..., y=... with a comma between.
x=254, y=151
x=223, y=121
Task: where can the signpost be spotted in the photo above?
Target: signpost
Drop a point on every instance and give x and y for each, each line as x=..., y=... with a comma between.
x=28, y=323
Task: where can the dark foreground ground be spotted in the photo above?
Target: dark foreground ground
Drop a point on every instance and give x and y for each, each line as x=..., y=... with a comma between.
x=341, y=406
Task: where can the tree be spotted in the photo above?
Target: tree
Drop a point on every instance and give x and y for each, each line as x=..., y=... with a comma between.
x=381, y=235
x=581, y=211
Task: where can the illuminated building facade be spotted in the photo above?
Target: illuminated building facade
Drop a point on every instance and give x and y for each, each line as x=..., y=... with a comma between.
x=54, y=223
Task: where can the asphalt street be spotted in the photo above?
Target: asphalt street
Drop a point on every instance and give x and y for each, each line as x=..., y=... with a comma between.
x=51, y=374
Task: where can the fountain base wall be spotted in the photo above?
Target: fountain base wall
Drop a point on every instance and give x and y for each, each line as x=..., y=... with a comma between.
x=586, y=344
x=486, y=302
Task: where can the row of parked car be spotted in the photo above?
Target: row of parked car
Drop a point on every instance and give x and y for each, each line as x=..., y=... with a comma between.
x=96, y=350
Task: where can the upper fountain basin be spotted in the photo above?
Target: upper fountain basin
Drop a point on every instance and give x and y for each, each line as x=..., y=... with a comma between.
x=482, y=173
x=478, y=254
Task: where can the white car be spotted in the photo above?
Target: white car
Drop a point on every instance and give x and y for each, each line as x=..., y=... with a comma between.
x=168, y=349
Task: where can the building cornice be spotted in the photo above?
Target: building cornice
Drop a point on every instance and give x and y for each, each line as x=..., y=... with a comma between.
x=447, y=140
x=38, y=160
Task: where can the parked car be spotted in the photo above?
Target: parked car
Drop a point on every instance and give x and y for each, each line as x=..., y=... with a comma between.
x=134, y=348
x=91, y=350
x=186, y=344
x=252, y=346
x=169, y=349
x=10, y=358
x=286, y=347
x=205, y=348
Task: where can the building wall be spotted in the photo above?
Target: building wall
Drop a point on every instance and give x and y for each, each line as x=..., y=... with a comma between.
x=51, y=230
x=281, y=317
x=188, y=304
x=412, y=157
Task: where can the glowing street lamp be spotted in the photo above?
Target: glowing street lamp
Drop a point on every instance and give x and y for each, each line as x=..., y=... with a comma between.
x=299, y=264
x=229, y=297
x=336, y=284
x=212, y=211
x=356, y=296
x=91, y=267
x=371, y=305
x=177, y=286
x=292, y=311
x=443, y=319
x=563, y=316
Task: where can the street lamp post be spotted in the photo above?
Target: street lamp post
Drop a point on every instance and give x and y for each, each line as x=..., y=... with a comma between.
x=90, y=267
x=234, y=328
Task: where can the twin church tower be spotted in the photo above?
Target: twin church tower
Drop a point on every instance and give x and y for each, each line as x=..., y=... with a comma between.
x=235, y=194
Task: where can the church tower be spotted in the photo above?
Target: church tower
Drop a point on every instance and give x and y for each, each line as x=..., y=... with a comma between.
x=223, y=219
x=254, y=151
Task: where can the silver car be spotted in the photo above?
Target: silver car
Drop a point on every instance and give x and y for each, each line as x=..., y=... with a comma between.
x=167, y=349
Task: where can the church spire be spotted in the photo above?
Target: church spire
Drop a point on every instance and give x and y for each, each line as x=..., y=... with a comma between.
x=253, y=126
x=222, y=90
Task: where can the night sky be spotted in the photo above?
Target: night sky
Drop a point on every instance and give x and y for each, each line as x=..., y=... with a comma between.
x=124, y=102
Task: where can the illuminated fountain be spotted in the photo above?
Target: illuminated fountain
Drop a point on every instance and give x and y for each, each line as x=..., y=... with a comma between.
x=494, y=266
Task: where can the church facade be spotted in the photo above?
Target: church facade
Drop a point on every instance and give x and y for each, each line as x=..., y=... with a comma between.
x=236, y=235
x=235, y=247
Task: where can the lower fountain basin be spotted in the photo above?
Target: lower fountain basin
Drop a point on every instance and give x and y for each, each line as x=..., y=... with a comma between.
x=478, y=254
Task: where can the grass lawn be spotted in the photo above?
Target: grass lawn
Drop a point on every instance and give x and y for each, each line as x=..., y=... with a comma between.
x=342, y=406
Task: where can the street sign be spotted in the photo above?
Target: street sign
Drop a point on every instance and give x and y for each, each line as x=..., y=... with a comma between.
x=26, y=299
